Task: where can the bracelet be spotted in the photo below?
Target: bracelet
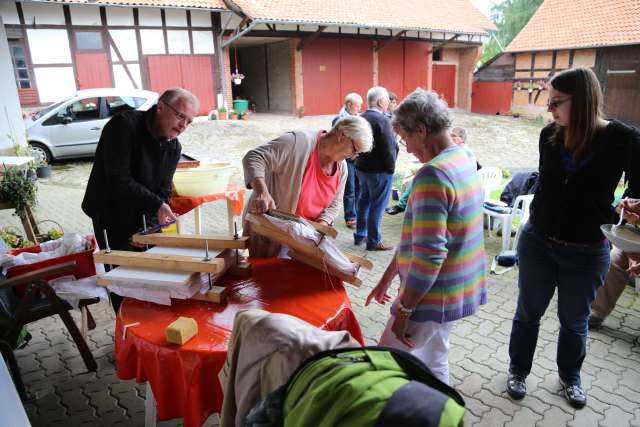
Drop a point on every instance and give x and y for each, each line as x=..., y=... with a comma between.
x=404, y=311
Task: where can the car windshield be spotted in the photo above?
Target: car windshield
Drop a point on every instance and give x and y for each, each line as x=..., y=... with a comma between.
x=45, y=110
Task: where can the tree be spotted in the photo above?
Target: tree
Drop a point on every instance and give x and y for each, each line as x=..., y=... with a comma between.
x=510, y=17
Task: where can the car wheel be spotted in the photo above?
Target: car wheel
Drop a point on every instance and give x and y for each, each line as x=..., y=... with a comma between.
x=41, y=153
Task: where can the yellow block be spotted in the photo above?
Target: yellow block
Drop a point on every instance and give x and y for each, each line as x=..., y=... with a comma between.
x=173, y=228
x=181, y=331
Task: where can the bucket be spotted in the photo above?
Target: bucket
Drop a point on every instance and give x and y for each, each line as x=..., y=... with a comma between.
x=240, y=105
x=210, y=178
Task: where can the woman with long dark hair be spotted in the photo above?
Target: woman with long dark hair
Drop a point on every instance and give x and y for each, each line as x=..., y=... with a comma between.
x=582, y=158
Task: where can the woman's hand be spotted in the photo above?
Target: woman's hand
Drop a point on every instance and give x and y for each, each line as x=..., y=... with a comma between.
x=262, y=203
x=634, y=264
x=379, y=293
x=399, y=329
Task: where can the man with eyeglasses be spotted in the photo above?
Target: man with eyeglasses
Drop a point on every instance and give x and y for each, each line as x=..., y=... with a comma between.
x=131, y=176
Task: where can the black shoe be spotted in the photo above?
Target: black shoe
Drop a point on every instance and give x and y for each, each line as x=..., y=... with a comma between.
x=516, y=386
x=574, y=394
x=394, y=210
x=595, y=322
x=357, y=241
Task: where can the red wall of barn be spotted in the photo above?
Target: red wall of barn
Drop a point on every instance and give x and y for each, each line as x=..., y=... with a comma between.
x=193, y=73
x=444, y=82
x=416, y=63
x=356, y=68
x=491, y=97
x=93, y=70
x=321, y=76
x=391, y=67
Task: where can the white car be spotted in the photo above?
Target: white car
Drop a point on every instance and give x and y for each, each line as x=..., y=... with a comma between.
x=72, y=127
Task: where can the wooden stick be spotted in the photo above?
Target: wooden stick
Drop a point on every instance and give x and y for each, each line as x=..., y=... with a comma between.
x=217, y=294
x=365, y=263
x=285, y=239
x=327, y=230
x=318, y=264
x=160, y=261
x=191, y=240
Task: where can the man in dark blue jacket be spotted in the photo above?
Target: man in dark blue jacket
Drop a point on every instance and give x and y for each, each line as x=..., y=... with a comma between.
x=375, y=172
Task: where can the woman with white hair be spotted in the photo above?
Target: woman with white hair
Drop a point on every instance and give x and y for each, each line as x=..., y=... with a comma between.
x=304, y=173
x=440, y=258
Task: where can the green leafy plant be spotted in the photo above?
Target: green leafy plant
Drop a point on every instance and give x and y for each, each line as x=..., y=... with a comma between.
x=222, y=109
x=301, y=111
x=18, y=189
x=13, y=239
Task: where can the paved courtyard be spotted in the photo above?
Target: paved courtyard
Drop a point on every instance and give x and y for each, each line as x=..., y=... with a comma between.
x=66, y=395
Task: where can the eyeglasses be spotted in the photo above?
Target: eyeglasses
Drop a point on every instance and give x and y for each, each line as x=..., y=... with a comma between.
x=555, y=104
x=180, y=116
x=402, y=142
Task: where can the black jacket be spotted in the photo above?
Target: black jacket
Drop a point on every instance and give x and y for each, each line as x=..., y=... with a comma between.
x=131, y=174
x=382, y=158
x=571, y=205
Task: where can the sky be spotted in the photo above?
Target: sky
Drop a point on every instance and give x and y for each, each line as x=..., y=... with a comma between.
x=485, y=5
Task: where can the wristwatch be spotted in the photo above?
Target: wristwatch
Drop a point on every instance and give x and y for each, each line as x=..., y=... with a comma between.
x=404, y=311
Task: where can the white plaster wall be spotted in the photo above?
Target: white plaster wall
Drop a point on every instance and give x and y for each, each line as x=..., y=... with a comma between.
x=200, y=18
x=178, y=41
x=9, y=13
x=126, y=43
x=175, y=17
x=203, y=42
x=121, y=78
x=54, y=83
x=367, y=31
x=49, y=46
x=42, y=13
x=119, y=16
x=152, y=42
x=11, y=125
x=149, y=17
x=85, y=14
x=346, y=30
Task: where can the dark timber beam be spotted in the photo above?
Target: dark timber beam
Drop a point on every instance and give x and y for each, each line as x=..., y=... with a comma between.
x=385, y=42
x=311, y=37
x=443, y=44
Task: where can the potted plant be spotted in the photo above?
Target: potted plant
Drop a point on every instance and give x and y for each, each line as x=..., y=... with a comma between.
x=234, y=115
x=237, y=77
x=43, y=170
x=301, y=111
x=245, y=115
x=17, y=189
x=222, y=113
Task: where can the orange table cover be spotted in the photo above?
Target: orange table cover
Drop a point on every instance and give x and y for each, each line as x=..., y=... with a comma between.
x=184, y=380
x=182, y=205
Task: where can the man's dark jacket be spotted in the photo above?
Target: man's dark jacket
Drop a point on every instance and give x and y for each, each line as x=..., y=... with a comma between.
x=382, y=158
x=131, y=174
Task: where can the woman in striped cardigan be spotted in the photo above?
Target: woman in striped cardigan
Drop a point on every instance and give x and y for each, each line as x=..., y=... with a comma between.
x=441, y=258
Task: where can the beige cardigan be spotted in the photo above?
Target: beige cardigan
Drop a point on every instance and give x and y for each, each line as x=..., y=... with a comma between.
x=281, y=163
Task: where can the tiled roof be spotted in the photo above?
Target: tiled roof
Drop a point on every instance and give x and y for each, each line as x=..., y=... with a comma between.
x=196, y=4
x=565, y=24
x=423, y=15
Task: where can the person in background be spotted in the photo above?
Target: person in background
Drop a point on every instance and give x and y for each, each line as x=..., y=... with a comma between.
x=393, y=103
x=624, y=267
x=131, y=176
x=458, y=136
x=582, y=158
x=375, y=173
x=441, y=257
x=303, y=173
x=351, y=107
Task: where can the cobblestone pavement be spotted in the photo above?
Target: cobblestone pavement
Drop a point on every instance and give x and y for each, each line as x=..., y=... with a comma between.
x=66, y=395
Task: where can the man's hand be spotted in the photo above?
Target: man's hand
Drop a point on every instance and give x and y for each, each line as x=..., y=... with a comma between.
x=165, y=214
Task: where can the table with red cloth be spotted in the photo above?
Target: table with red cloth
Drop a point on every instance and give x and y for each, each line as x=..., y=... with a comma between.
x=234, y=195
x=184, y=379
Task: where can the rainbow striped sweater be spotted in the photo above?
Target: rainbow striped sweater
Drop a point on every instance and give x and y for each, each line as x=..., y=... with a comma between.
x=441, y=252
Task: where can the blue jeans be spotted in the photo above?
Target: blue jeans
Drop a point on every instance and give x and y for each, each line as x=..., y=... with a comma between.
x=375, y=189
x=577, y=272
x=351, y=190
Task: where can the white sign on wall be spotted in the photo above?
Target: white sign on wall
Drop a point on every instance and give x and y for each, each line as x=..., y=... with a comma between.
x=54, y=83
x=49, y=46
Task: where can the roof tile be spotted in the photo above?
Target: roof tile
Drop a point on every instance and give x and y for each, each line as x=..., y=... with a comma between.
x=204, y=4
x=565, y=24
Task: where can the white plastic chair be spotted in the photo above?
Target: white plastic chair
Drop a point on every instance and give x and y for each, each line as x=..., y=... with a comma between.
x=490, y=177
x=505, y=220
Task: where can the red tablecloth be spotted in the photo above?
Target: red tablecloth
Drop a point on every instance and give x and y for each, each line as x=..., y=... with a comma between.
x=184, y=379
x=235, y=193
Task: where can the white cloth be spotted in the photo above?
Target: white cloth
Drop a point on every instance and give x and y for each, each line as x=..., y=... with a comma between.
x=66, y=245
x=264, y=349
x=431, y=341
x=72, y=290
